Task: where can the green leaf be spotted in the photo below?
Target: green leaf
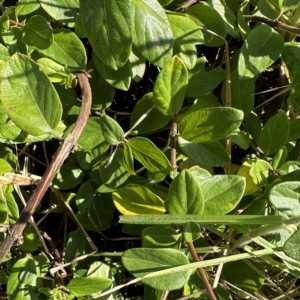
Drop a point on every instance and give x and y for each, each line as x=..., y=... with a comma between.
x=154, y=40
x=149, y=155
x=107, y=24
x=153, y=121
x=38, y=33
x=222, y=193
x=261, y=48
x=55, y=71
x=99, y=212
x=243, y=276
x=291, y=57
x=23, y=287
x=64, y=11
x=91, y=136
x=5, y=167
x=3, y=205
x=81, y=286
x=158, y=236
x=241, y=138
x=227, y=15
x=66, y=49
x=285, y=5
x=77, y=245
x=207, y=17
x=191, y=231
x=201, y=82
x=242, y=92
x=294, y=130
x=114, y=173
x=111, y=130
x=136, y=199
x=253, y=125
x=291, y=246
x=279, y=158
x=25, y=7
x=102, y=91
x=274, y=134
x=295, y=91
x=142, y=261
x=210, y=124
x=31, y=240
x=170, y=86
x=120, y=78
x=67, y=177
x=4, y=53
x=259, y=171
x=185, y=195
x=138, y=66
x=28, y=96
x=185, y=30
x=209, y=154
x=285, y=197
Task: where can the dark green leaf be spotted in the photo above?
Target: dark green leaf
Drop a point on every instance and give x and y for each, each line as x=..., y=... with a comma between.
x=274, y=134
x=291, y=246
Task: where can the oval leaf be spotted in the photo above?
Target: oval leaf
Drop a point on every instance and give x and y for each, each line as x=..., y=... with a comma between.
x=28, y=96
x=81, y=286
x=170, y=86
x=222, y=193
x=149, y=155
x=291, y=246
x=135, y=199
x=107, y=24
x=154, y=40
x=143, y=261
x=274, y=134
x=185, y=195
x=210, y=124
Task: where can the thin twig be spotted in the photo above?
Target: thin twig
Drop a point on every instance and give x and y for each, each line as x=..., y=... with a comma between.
x=273, y=23
x=57, y=161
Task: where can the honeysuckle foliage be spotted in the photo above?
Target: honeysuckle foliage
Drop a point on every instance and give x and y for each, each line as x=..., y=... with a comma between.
x=192, y=139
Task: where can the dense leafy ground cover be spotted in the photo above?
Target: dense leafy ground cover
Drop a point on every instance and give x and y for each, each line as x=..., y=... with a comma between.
x=181, y=180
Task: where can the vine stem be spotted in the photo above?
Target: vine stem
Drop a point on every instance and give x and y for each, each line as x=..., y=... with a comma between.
x=59, y=157
x=202, y=273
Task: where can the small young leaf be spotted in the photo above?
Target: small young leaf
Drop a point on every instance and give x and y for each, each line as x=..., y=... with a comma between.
x=38, y=33
x=149, y=155
x=81, y=286
x=141, y=261
x=244, y=171
x=111, y=130
x=191, y=231
x=275, y=133
x=154, y=40
x=135, y=199
x=185, y=195
x=107, y=24
x=210, y=124
x=170, y=86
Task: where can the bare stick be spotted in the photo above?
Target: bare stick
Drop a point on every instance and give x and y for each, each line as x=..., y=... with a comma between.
x=61, y=154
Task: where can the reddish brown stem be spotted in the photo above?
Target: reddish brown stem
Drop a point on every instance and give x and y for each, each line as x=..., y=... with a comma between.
x=60, y=156
x=202, y=273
